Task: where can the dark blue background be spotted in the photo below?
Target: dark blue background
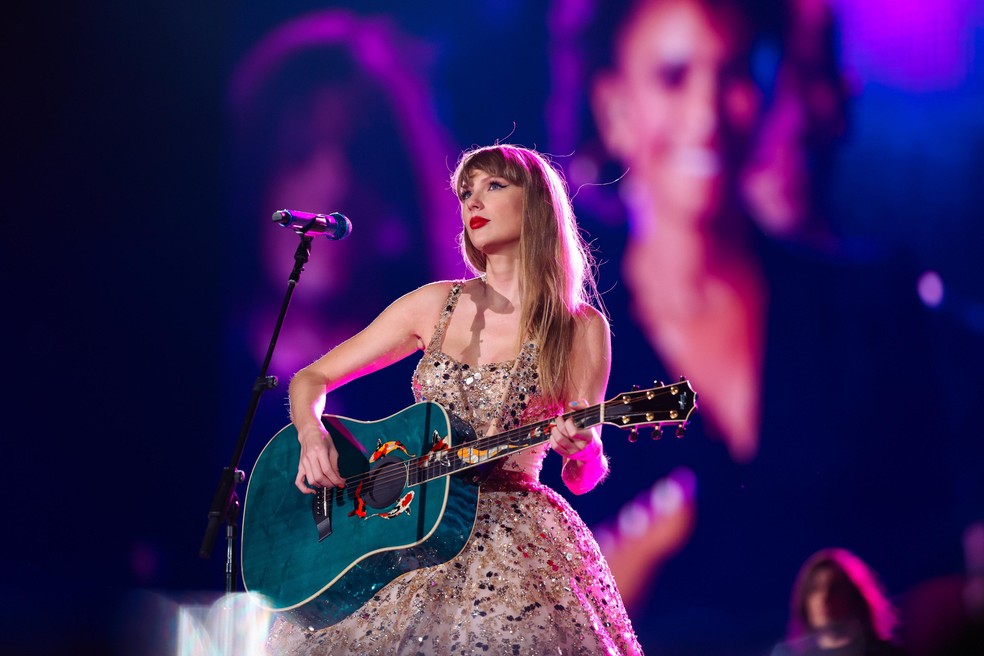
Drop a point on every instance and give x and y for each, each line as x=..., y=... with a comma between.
x=122, y=266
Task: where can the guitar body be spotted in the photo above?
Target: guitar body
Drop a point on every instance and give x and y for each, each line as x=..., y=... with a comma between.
x=319, y=558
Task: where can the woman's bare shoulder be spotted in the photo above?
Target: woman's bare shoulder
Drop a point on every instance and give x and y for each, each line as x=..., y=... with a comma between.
x=592, y=320
x=432, y=294
x=426, y=302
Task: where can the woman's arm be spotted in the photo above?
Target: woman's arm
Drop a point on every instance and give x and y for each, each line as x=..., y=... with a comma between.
x=585, y=464
x=396, y=333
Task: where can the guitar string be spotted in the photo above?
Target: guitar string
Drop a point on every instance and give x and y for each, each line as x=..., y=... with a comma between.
x=403, y=472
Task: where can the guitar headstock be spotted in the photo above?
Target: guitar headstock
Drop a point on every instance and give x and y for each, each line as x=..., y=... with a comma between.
x=657, y=406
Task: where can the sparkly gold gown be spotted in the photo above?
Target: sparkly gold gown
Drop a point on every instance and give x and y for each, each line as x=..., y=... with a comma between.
x=530, y=580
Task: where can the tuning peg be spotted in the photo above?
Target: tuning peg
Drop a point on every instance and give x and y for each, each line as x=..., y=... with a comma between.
x=657, y=383
x=634, y=434
x=635, y=388
x=681, y=429
x=657, y=432
x=683, y=378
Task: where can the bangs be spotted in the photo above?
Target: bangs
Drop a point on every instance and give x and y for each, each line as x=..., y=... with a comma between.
x=497, y=161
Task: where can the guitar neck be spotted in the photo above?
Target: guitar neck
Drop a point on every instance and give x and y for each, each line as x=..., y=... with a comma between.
x=494, y=447
x=663, y=404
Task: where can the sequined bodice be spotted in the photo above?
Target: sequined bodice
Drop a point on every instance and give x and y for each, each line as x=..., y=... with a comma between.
x=495, y=396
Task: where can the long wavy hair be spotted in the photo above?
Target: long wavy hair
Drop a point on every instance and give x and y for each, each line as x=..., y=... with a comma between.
x=875, y=610
x=556, y=266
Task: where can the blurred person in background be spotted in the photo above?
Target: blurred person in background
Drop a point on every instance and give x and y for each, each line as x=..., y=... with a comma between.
x=678, y=107
x=801, y=352
x=838, y=608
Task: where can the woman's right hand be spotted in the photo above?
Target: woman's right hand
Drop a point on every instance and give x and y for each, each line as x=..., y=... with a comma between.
x=318, y=465
x=393, y=335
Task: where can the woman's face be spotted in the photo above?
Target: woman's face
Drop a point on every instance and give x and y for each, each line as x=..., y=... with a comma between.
x=829, y=599
x=681, y=106
x=492, y=211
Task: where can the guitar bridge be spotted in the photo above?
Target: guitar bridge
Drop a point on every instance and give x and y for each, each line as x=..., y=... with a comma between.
x=321, y=509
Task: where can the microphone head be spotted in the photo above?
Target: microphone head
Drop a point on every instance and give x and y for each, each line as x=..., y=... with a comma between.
x=333, y=226
x=342, y=227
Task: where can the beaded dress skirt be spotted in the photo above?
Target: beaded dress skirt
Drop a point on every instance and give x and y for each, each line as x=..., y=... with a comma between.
x=531, y=579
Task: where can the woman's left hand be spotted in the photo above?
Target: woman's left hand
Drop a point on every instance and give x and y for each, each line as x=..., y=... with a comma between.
x=568, y=440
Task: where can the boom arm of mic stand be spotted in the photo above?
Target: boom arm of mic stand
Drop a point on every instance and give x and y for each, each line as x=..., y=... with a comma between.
x=225, y=503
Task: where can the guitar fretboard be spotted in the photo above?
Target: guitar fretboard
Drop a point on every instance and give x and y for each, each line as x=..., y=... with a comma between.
x=665, y=404
x=443, y=460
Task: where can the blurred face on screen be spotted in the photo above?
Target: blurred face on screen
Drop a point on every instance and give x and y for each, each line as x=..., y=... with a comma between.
x=680, y=106
x=829, y=600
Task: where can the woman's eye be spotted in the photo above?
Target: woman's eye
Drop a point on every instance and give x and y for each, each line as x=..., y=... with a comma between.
x=464, y=195
x=497, y=185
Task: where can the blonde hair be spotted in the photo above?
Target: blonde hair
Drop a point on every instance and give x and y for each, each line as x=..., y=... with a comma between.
x=556, y=265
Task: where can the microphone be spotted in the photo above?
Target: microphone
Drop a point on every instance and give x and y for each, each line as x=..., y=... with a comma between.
x=334, y=226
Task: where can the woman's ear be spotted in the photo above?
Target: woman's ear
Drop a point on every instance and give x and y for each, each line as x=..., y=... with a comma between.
x=610, y=105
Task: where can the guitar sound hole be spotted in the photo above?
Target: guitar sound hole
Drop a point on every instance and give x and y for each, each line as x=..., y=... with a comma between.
x=386, y=482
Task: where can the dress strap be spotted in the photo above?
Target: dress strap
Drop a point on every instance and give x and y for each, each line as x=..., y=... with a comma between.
x=438, y=337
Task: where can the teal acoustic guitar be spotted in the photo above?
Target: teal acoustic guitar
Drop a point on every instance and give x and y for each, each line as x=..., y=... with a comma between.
x=409, y=501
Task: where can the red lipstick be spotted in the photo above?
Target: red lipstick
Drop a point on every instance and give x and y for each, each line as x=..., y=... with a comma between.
x=477, y=222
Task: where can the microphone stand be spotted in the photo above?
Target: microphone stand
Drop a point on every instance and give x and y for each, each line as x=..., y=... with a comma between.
x=225, y=503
